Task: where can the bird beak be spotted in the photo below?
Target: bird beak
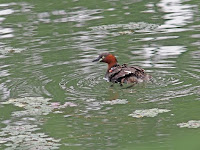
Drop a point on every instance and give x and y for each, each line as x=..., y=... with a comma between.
x=97, y=59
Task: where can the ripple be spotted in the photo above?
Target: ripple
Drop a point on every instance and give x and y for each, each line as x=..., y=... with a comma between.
x=129, y=28
x=147, y=112
x=6, y=12
x=4, y=91
x=6, y=32
x=90, y=90
x=168, y=86
x=81, y=86
x=78, y=16
x=192, y=67
x=114, y=102
x=177, y=14
x=8, y=50
x=157, y=56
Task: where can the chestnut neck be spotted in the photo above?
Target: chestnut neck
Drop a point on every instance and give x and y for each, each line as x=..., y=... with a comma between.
x=110, y=60
x=111, y=64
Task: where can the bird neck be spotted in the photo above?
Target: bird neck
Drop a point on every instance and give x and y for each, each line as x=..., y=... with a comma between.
x=111, y=64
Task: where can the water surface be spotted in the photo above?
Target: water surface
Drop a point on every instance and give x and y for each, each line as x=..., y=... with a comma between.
x=53, y=97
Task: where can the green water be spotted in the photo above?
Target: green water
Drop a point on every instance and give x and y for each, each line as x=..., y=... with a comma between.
x=53, y=97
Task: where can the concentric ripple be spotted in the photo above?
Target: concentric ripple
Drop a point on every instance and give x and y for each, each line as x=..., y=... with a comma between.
x=83, y=87
x=169, y=86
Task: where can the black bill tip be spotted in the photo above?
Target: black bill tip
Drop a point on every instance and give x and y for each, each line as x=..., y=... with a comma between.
x=97, y=59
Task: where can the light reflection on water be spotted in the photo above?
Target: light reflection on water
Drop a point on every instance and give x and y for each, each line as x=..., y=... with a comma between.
x=52, y=58
x=158, y=56
x=5, y=32
x=178, y=15
x=77, y=15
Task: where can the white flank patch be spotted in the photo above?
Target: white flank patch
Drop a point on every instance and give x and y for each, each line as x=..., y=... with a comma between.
x=128, y=71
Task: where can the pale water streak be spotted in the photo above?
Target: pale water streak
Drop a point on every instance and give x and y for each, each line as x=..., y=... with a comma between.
x=178, y=14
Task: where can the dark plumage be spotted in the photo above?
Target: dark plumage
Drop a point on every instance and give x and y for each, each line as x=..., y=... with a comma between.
x=122, y=73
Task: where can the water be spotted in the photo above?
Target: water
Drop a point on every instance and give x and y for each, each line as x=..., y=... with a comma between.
x=53, y=97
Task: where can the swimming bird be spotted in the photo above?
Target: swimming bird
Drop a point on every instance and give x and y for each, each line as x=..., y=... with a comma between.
x=122, y=73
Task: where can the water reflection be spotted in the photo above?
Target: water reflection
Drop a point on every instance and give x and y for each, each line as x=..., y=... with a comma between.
x=6, y=12
x=193, y=68
x=158, y=56
x=4, y=91
x=177, y=15
x=77, y=15
x=5, y=32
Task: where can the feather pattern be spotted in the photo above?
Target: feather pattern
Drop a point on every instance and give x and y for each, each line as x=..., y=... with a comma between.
x=125, y=74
